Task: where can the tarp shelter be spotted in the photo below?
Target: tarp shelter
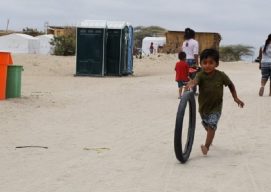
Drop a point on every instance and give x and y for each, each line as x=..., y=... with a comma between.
x=19, y=43
x=44, y=44
x=157, y=41
x=90, y=47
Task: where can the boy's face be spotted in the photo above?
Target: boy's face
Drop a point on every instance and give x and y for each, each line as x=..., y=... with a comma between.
x=208, y=65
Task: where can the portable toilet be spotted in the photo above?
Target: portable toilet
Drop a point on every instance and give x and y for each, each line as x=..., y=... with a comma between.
x=117, y=48
x=91, y=48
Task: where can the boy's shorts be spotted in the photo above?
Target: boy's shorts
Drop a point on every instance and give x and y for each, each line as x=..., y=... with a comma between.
x=211, y=120
x=181, y=83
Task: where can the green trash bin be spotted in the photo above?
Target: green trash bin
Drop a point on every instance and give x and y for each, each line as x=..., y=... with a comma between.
x=14, y=76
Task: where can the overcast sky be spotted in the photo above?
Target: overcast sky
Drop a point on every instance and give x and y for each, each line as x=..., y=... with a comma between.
x=238, y=21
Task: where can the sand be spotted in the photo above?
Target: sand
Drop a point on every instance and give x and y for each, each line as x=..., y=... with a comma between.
x=115, y=134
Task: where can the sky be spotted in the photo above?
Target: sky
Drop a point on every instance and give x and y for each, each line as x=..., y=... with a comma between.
x=245, y=22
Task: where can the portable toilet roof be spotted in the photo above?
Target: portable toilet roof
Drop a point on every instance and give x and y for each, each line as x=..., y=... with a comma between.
x=93, y=24
x=116, y=24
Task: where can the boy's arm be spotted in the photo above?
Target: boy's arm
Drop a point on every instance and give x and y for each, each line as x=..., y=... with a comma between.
x=191, y=83
x=234, y=95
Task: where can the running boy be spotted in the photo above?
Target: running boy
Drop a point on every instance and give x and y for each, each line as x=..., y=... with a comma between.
x=182, y=72
x=210, y=82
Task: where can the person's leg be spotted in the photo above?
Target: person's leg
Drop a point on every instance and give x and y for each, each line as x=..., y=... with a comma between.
x=210, y=124
x=261, y=91
x=265, y=73
x=209, y=139
x=180, y=88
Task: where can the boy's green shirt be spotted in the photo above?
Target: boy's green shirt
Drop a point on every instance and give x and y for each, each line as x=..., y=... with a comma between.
x=211, y=91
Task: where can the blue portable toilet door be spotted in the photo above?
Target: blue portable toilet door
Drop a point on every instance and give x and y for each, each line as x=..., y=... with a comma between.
x=90, y=52
x=124, y=51
x=130, y=50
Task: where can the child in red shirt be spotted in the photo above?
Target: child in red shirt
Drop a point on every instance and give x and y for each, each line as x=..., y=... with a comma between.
x=182, y=72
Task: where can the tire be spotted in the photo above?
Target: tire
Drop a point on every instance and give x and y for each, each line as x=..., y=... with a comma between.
x=183, y=155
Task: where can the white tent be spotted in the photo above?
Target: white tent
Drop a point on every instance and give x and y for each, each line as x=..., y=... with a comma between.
x=19, y=43
x=44, y=44
x=157, y=41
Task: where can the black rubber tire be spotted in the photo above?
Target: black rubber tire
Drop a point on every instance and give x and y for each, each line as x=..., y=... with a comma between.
x=182, y=156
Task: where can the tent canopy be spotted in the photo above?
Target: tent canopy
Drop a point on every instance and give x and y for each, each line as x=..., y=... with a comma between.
x=157, y=41
x=44, y=44
x=19, y=43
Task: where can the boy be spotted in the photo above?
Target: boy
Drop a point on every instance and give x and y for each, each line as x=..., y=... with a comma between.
x=210, y=82
x=182, y=72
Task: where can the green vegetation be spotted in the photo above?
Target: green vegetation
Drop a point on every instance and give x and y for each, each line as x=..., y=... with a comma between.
x=235, y=52
x=32, y=32
x=66, y=44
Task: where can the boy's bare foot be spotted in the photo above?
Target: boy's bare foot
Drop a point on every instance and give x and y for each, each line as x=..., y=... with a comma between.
x=261, y=91
x=204, y=149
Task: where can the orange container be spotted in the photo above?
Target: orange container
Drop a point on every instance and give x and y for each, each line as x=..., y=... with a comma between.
x=5, y=60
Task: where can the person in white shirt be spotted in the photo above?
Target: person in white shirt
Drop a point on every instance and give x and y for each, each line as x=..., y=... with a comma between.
x=265, y=64
x=191, y=47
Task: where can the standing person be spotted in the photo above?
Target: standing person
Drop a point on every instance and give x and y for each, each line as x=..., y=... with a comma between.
x=191, y=47
x=210, y=82
x=265, y=64
x=151, y=48
x=182, y=72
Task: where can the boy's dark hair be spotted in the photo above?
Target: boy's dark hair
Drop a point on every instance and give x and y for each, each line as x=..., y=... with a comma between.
x=182, y=55
x=214, y=54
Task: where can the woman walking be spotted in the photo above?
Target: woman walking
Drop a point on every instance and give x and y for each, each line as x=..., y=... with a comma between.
x=265, y=64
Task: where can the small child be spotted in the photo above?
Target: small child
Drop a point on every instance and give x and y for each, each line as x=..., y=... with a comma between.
x=210, y=82
x=182, y=72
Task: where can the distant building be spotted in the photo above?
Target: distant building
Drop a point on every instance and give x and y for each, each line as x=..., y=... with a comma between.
x=174, y=41
x=60, y=30
x=56, y=30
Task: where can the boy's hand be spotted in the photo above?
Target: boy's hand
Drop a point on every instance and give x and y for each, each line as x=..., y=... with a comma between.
x=239, y=102
x=189, y=84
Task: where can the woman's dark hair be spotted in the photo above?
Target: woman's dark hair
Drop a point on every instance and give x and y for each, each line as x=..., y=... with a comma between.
x=189, y=33
x=214, y=54
x=182, y=55
x=268, y=41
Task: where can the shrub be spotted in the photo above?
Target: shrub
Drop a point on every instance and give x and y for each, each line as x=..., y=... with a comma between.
x=235, y=52
x=66, y=44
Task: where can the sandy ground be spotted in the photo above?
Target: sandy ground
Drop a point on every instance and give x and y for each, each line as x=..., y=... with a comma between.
x=115, y=134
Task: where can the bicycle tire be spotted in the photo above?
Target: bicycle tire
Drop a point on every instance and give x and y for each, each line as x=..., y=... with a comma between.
x=183, y=155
